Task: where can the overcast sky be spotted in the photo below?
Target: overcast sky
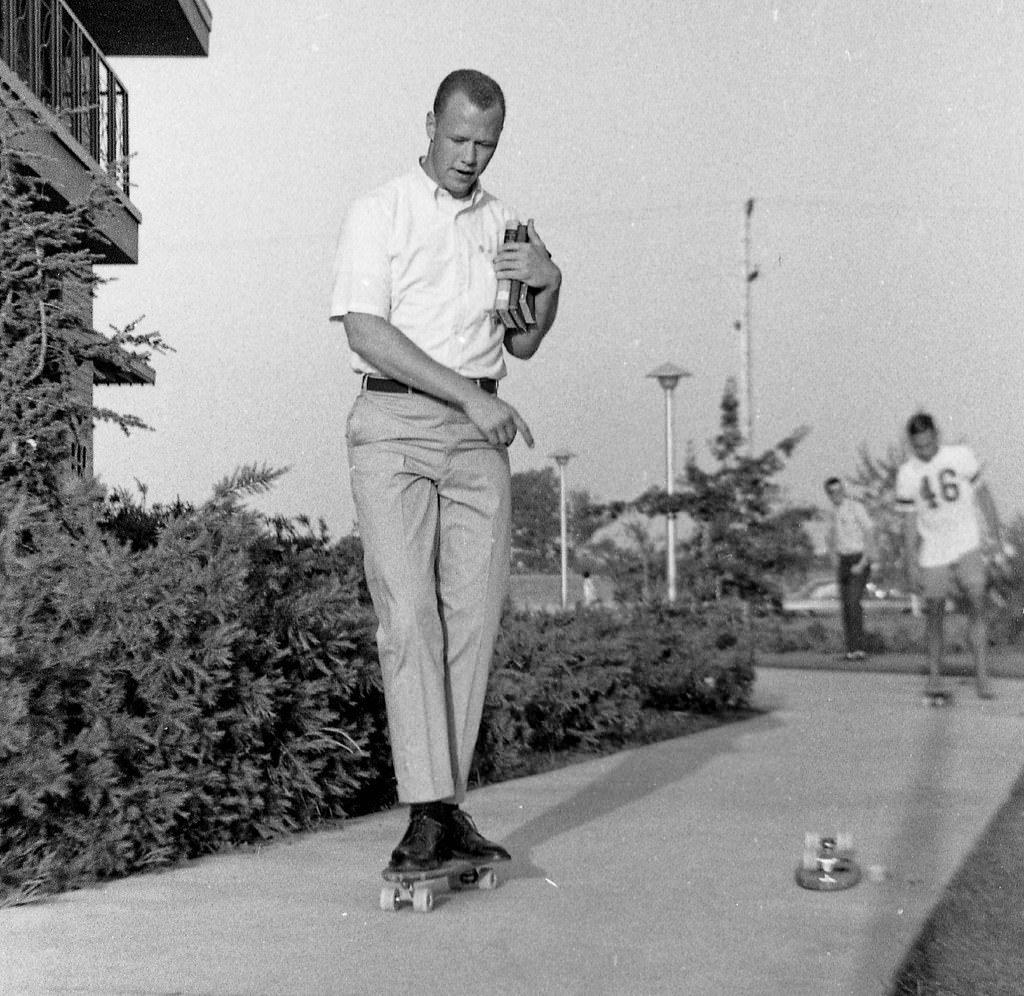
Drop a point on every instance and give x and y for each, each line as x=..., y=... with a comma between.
x=882, y=143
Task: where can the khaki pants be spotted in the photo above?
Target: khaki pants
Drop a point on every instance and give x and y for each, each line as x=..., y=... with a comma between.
x=433, y=502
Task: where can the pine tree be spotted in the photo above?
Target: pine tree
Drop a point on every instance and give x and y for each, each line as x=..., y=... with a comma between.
x=46, y=266
x=746, y=541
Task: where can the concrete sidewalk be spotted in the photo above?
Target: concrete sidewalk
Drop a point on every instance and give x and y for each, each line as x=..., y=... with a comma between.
x=667, y=869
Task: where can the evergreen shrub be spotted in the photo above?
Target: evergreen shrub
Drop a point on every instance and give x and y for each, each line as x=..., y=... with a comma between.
x=178, y=681
x=588, y=682
x=212, y=689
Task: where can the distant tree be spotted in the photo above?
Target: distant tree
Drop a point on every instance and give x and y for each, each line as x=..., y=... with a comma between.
x=636, y=567
x=585, y=516
x=537, y=523
x=746, y=543
x=875, y=481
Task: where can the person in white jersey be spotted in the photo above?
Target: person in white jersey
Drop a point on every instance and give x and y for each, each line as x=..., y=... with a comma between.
x=940, y=490
x=418, y=265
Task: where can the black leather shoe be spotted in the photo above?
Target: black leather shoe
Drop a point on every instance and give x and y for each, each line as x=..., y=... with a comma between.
x=424, y=845
x=465, y=841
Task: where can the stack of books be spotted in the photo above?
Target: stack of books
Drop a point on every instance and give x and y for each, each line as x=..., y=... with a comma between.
x=514, y=300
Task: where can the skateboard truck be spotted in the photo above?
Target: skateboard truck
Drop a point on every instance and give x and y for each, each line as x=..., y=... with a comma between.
x=827, y=864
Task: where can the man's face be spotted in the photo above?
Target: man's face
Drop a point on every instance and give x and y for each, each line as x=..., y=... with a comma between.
x=463, y=138
x=925, y=444
x=835, y=494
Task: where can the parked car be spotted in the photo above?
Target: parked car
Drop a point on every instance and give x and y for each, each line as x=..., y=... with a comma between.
x=821, y=598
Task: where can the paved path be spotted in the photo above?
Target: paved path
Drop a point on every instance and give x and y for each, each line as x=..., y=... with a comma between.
x=667, y=869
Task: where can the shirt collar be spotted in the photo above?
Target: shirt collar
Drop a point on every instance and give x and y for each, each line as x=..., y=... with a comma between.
x=440, y=195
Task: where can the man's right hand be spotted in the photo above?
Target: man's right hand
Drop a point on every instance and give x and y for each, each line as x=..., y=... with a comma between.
x=497, y=419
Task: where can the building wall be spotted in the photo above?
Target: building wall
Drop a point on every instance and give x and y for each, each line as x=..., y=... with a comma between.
x=65, y=109
x=81, y=450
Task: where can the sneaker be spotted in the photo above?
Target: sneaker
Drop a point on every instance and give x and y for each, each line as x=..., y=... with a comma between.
x=860, y=655
x=424, y=846
x=466, y=842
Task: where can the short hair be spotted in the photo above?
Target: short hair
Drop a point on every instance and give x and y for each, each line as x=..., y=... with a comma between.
x=920, y=422
x=478, y=87
x=829, y=481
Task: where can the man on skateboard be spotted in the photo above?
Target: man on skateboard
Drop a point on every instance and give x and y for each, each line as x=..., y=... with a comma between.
x=418, y=265
x=940, y=491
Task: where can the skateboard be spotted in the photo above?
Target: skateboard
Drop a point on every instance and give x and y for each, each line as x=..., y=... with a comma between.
x=827, y=864
x=420, y=887
x=938, y=697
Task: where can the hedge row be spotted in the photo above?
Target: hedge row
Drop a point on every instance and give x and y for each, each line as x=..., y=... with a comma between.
x=590, y=681
x=221, y=686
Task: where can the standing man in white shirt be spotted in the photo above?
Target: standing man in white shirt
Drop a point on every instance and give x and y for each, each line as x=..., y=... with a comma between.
x=851, y=544
x=417, y=269
x=940, y=490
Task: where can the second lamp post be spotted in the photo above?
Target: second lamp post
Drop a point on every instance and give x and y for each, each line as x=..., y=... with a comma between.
x=562, y=457
x=668, y=375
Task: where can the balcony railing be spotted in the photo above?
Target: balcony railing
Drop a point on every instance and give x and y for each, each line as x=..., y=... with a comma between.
x=47, y=47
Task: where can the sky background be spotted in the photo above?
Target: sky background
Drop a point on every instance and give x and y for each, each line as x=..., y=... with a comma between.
x=883, y=144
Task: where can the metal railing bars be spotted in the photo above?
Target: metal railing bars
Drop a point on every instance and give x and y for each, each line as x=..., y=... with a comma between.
x=47, y=47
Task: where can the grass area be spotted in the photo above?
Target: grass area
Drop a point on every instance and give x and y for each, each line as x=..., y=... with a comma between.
x=884, y=633
x=973, y=942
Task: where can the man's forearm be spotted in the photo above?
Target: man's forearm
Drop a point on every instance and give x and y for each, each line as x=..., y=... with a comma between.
x=989, y=516
x=390, y=351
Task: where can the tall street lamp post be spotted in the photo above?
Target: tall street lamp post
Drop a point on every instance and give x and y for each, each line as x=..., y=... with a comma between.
x=562, y=457
x=750, y=274
x=668, y=375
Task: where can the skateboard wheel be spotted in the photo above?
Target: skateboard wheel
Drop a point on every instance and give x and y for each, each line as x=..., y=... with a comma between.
x=488, y=879
x=423, y=900
x=389, y=896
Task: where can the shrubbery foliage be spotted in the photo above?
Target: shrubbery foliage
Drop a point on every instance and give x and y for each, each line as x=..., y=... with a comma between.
x=215, y=688
x=590, y=681
x=221, y=685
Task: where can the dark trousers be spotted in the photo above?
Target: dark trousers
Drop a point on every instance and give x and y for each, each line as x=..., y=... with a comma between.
x=851, y=591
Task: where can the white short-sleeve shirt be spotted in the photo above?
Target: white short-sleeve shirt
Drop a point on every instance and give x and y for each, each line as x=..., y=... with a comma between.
x=851, y=527
x=422, y=260
x=941, y=491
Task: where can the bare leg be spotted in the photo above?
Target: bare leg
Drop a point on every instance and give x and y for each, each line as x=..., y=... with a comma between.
x=978, y=635
x=935, y=612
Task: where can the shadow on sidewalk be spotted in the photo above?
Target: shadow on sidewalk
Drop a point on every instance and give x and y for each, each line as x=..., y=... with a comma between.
x=923, y=825
x=638, y=773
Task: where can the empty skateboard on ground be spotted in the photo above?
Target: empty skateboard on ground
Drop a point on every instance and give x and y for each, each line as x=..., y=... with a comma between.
x=420, y=887
x=827, y=864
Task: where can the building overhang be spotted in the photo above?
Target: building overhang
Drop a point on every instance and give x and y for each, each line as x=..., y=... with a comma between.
x=65, y=168
x=113, y=366
x=147, y=27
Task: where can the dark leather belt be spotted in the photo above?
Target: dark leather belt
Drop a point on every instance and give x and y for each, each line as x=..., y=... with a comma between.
x=385, y=385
